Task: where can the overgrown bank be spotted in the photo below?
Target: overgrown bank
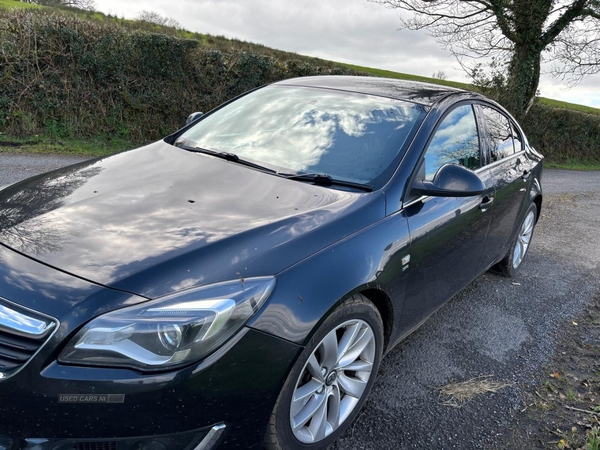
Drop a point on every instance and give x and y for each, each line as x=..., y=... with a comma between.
x=564, y=136
x=68, y=77
x=65, y=77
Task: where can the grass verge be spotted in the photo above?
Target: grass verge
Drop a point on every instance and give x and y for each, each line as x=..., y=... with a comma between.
x=99, y=146
x=572, y=165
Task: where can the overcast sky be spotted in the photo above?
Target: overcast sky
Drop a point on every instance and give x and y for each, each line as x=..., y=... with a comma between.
x=352, y=31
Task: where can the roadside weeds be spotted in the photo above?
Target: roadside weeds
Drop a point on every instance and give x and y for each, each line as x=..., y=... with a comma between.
x=563, y=411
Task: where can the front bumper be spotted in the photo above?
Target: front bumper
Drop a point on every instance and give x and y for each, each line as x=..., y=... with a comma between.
x=205, y=439
x=60, y=407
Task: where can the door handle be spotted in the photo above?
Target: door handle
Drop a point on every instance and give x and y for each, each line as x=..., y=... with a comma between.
x=486, y=203
x=526, y=174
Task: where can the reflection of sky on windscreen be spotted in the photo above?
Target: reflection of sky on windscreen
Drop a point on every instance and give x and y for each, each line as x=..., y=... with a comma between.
x=345, y=135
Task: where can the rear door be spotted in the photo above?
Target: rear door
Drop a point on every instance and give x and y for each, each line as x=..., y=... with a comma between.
x=511, y=175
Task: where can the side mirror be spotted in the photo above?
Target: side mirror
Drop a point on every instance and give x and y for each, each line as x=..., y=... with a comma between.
x=451, y=180
x=193, y=117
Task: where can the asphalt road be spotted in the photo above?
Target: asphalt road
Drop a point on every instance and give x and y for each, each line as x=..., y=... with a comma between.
x=15, y=167
x=495, y=326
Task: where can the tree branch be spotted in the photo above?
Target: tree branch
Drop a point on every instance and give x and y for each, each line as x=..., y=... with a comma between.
x=572, y=13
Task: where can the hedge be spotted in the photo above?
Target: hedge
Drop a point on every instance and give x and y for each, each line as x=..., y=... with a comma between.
x=67, y=76
x=563, y=135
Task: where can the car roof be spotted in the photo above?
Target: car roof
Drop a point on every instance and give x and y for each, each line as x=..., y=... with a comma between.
x=425, y=94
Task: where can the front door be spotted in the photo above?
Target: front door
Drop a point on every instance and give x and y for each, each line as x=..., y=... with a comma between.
x=447, y=234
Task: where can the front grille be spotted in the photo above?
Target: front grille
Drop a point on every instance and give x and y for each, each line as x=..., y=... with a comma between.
x=22, y=333
x=16, y=351
x=105, y=445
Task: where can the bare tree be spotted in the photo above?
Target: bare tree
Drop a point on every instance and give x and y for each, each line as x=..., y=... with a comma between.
x=156, y=18
x=440, y=75
x=516, y=33
x=579, y=52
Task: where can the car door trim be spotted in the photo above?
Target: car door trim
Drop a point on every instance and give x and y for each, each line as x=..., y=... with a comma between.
x=503, y=160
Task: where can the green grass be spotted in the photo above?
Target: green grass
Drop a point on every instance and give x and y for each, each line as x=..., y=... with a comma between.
x=17, y=4
x=406, y=76
x=572, y=164
x=593, y=439
x=97, y=146
x=572, y=106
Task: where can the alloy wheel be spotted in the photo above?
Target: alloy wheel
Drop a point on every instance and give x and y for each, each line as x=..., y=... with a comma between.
x=523, y=239
x=332, y=381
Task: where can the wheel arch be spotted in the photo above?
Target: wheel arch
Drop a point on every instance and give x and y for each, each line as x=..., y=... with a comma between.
x=368, y=263
x=377, y=297
x=538, y=203
x=386, y=310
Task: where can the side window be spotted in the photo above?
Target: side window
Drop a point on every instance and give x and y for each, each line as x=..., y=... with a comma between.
x=517, y=138
x=456, y=141
x=499, y=134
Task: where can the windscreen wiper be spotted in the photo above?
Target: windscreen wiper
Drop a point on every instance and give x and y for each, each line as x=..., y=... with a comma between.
x=226, y=156
x=318, y=179
x=326, y=180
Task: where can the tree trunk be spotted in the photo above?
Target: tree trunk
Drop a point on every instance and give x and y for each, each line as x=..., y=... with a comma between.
x=523, y=80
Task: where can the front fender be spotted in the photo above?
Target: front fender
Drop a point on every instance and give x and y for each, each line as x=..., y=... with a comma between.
x=309, y=291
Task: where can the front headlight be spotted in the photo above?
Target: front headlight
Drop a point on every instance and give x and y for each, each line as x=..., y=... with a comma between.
x=171, y=331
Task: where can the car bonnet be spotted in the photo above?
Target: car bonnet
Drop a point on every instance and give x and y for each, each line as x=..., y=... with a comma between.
x=161, y=219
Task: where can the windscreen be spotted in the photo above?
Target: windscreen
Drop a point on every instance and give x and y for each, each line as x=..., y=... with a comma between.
x=348, y=136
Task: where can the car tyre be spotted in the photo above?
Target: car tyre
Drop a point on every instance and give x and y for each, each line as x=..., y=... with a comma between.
x=331, y=379
x=512, y=261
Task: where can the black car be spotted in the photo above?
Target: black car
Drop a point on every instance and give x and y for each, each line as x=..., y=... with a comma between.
x=237, y=283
